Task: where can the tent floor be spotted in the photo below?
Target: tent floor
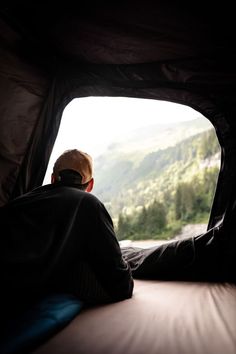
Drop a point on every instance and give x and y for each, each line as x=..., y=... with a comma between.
x=161, y=317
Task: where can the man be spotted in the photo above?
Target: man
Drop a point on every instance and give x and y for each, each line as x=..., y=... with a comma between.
x=59, y=237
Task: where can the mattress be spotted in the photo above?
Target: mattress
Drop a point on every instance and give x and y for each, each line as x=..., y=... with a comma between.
x=162, y=317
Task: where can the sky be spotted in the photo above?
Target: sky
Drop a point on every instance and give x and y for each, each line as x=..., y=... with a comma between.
x=91, y=124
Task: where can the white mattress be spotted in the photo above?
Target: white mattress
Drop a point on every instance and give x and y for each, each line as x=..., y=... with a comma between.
x=161, y=318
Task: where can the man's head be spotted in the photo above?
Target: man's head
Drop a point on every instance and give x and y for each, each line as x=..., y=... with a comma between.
x=74, y=167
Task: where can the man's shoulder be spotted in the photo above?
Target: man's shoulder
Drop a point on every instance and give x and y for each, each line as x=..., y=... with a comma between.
x=56, y=194
x=73, y=192
x=74, y=197
x=65, y=192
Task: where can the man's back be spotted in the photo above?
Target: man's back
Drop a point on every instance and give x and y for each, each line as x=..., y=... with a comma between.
x=49, y=232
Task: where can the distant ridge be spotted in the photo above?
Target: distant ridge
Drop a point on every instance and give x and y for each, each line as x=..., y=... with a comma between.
x=144, y=158
x=158, y=136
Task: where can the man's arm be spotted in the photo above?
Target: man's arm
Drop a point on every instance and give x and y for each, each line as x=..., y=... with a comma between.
x=103, y=251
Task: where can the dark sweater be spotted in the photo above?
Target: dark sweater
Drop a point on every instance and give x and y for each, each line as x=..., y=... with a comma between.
x=59, y=238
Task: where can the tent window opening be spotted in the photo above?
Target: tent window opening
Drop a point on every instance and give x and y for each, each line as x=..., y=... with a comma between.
x=156, y=164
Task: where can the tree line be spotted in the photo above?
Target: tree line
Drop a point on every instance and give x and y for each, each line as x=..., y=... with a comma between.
x=190, y=202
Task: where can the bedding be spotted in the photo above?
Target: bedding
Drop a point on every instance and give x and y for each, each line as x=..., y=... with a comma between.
x=206, y=257
x=26, y=330
x=162, y=317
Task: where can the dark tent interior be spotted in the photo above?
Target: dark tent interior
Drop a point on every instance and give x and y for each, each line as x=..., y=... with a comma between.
x=160, y=50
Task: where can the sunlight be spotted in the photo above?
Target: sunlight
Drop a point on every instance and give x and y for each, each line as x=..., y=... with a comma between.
x=91, y=124
x=150, y=158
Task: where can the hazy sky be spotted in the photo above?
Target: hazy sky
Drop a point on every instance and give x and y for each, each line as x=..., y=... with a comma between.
x=92, y=123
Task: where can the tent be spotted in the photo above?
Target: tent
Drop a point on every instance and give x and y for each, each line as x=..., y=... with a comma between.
x=54, y=52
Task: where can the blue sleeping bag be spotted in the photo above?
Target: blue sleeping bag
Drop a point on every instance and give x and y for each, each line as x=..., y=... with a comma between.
x=38, y=323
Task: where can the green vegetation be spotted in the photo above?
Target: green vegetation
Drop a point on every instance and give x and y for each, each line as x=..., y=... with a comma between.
x=154, y=195
x=191, y=203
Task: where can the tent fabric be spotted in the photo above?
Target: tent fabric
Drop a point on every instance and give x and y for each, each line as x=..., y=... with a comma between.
x=151, y=49
x=153, y=45
x=206, y=257
x=154, y=50
x=161, y=317
x=23, y=88
x=51, y=53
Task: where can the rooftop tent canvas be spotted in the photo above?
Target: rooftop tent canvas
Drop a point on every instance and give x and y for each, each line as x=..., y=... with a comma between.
x=152, y=50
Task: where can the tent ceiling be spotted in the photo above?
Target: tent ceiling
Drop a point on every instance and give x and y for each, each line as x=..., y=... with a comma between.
x=123, y=33
x=51, y=52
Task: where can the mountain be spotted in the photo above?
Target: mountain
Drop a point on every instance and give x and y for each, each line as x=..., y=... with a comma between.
x=159, y=136
x=151, y=161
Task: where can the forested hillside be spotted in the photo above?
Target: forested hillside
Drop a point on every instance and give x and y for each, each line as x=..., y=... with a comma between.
x=155, y=195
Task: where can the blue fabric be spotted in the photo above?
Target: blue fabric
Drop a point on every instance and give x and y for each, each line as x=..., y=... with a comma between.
x=39, y=323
